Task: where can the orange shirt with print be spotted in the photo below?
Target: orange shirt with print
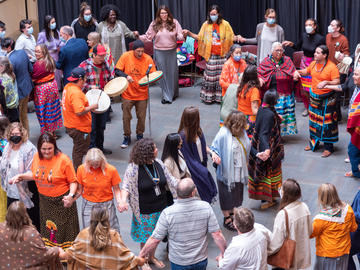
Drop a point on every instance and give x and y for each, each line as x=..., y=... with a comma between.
x=216, y=43
x=328, y=73
x=74, y=101
x=332, y=238
x=98, y=186
x=244, y=103
x=136, y=68
x=230, y=73
x=53, y=177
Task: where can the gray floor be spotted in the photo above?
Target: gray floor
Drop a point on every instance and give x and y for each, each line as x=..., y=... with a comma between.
x=307, y=167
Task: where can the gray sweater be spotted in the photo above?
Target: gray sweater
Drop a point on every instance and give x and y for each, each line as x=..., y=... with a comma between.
x=280, y=36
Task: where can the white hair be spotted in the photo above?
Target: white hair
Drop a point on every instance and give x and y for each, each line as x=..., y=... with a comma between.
x=67, y=30
x=274, y=45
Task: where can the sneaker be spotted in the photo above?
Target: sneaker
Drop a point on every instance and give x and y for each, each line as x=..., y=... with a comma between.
x=126, y=142
x=305, y=113
x=139, y=136
x=107, y=151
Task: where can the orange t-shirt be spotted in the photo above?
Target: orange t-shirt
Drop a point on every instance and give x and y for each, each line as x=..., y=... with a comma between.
x=332, y=238
x=53, y=177
x=97, y=186
x=136, y=68
x=244, y=104
x=74, y=101
x=329, y=73
x=216, y=43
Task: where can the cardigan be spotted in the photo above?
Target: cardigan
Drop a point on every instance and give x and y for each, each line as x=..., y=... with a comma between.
x=280, y=37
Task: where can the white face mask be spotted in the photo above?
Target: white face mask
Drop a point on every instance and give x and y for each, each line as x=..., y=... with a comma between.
x=309, y=29
x=330, y=29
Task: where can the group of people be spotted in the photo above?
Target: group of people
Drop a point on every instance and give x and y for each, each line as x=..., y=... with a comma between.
x=171, y=197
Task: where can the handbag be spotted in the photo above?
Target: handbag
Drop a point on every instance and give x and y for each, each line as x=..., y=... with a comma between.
x=284, y=258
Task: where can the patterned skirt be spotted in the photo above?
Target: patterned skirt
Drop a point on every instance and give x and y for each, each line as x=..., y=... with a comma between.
x=47, y=106
x=59, y=226
x=306, y=80
x=211, y=90
x=141, y=231
x=250, y=119
x=285, y=107
x=268, y=188
x=323, y=119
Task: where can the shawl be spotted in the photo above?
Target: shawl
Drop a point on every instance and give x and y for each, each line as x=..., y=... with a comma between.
x=31, y=253
x=26, y=154
x=130, y=184
x=284, y=70
x=202, y=177
x=232, y=72
x=205, y=39
x=337, y=215
x=229, y=102
x=223, y=146
x=40, y=74
x=353, y=124
x=116, y=256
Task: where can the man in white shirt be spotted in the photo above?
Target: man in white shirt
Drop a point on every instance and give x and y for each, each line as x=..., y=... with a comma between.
x=26, y=41
x=247, y=250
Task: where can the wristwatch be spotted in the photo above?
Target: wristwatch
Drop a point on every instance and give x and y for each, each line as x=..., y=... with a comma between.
x=72, y=195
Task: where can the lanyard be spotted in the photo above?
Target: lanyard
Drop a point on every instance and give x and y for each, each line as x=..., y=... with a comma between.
x=155, y=178
x=242, y=145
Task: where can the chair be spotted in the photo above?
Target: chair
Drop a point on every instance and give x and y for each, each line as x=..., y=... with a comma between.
x=148, y=47
x=249, y=48
x=297, y=58
x=201, y=64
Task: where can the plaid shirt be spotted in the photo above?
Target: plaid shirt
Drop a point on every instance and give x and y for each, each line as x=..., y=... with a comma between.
x=96, y=76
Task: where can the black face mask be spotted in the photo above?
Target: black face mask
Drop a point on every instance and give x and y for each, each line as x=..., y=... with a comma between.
x=15, y=139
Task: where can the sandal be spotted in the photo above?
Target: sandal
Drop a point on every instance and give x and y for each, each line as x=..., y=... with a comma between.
x=349, y=174
x=156, y=262
x=229, y=225
x=326, y=154
x=267, y=205
x=307, y=148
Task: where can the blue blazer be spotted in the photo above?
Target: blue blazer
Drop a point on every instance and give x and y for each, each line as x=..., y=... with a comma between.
x=22, y=69
x=71, y=55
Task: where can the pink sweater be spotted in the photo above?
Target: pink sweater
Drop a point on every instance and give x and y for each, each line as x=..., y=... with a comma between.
x=163, y=40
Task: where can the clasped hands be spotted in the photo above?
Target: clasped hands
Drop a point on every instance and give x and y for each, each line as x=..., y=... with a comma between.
x=263, y=155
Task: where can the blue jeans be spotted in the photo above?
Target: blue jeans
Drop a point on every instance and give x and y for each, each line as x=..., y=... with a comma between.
x=197, y=266
x=354, y=155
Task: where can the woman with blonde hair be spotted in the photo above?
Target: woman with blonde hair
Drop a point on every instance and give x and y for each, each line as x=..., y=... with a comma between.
x=10, y=91
x=98, y=183
x=231, y=148
x=46, y=96
x=100, y=247
x=23, y=244
x=331, y=228
x=94, y=39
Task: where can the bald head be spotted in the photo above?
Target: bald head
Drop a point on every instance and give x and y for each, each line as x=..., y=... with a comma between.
x=356, y=76
x=66, y=30
x=185, y=188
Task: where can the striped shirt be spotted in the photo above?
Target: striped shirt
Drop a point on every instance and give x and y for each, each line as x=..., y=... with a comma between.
x=187, y=224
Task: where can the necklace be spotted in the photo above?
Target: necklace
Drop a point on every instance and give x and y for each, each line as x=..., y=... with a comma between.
x=154, y=178
x=321, y=69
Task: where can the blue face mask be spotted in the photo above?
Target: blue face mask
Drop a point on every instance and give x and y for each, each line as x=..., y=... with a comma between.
x=30, y=30
x=270, y=20
x=214, y=18
x=62, y=39
x=52, y=26
x=87, y=17
x=237, y=57
x=2, y=34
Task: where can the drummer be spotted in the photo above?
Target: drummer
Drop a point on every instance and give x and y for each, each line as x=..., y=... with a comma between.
x=98, y=74
x=76, y=113
x=133, y=65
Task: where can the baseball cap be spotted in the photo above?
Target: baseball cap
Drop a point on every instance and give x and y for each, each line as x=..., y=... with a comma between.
x=76, y=74
x=99, y=50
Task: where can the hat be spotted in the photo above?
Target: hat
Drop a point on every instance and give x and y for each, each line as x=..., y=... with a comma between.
x=76, y=74
x=99, y=50
x=137, y=44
